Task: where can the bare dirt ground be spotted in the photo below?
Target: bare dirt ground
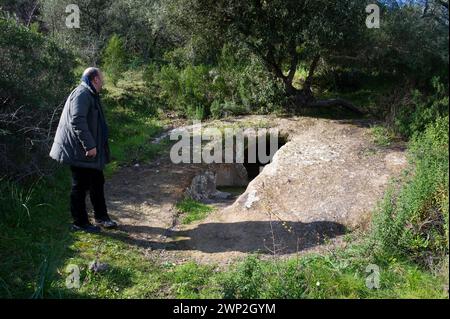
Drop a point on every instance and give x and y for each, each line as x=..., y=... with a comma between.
x=324, y=182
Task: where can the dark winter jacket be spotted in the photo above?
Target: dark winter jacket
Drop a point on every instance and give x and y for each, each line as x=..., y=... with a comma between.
x=82, y=127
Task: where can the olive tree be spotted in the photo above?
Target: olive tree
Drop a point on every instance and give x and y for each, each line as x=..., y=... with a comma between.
x=284, y=34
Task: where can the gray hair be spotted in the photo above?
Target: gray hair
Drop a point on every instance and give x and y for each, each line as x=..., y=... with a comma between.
x=91, y=73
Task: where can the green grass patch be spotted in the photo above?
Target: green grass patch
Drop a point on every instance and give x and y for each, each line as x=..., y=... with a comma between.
x=192, y=210
x=131, y=138
x=37, y=246
x=193, y=281
x=234, y=190
x=133, y=122
x=34, y=234
x=382, y=136
x=341, y=275
x=128, y=273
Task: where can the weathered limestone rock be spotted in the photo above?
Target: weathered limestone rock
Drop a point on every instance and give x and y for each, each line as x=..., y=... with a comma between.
x=203, y=188
x=325, y=181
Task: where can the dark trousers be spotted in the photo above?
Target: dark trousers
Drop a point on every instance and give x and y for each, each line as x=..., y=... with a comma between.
x=84, y=180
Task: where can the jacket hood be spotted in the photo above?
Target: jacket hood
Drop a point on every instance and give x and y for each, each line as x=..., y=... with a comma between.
x=84, y=84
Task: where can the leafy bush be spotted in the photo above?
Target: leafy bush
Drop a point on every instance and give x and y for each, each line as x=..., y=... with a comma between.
x=414, y=223
x=422, y=110
x=235, y=85
x=34, y=70
x=114, y=59
x=243, y=85
x=36, y=76
x=187, y=90
x=397, y=50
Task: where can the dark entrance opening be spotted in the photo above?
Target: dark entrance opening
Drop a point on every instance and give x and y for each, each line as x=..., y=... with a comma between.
x=234, y=178
x=253, y=169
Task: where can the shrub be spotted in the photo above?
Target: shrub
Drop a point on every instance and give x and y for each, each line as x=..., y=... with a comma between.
x=114, y=59
x=187, y=90
x=196, y=90
x=227, y=108
x=242, y=79
x=150, y=71
x=237, y=84
x=422, y=110
x=36, y=75
x=415, y=222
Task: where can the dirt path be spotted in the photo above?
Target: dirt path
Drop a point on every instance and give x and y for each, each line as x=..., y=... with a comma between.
x=326, y=179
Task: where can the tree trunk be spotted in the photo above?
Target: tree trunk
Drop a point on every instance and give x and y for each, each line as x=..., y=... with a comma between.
x=311, y=71
x=304, y=97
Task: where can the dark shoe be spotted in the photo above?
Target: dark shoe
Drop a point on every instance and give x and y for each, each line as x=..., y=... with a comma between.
x=106, y=223
x=88, y=228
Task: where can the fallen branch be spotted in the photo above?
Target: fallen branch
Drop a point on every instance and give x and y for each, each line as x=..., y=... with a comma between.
x=336, y=102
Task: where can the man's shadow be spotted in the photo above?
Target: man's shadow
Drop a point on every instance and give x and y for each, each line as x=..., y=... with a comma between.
x=247, y=237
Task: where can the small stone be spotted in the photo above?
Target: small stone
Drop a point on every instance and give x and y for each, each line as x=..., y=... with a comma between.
x=97, y=266
x=221, y=195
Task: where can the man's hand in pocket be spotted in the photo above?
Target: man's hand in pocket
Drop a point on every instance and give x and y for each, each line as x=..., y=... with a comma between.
x=92, y=152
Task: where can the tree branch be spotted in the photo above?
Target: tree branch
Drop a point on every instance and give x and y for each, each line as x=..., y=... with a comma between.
x=336, y=102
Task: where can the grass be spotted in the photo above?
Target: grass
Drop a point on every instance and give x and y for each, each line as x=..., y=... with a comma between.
x=192, y=210
x=35, y=242
x=128, y=274
x=133, y=123
x=341, y=275
x=33, y=234
x=234, y=190
x=382, y=136
x=37, y=246
x=131, y=138
x=36, y=252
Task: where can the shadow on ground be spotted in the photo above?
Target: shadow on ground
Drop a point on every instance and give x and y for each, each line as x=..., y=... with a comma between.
x=248, y=237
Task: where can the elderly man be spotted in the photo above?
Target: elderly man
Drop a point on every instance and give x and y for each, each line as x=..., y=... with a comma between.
x=81, y=141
